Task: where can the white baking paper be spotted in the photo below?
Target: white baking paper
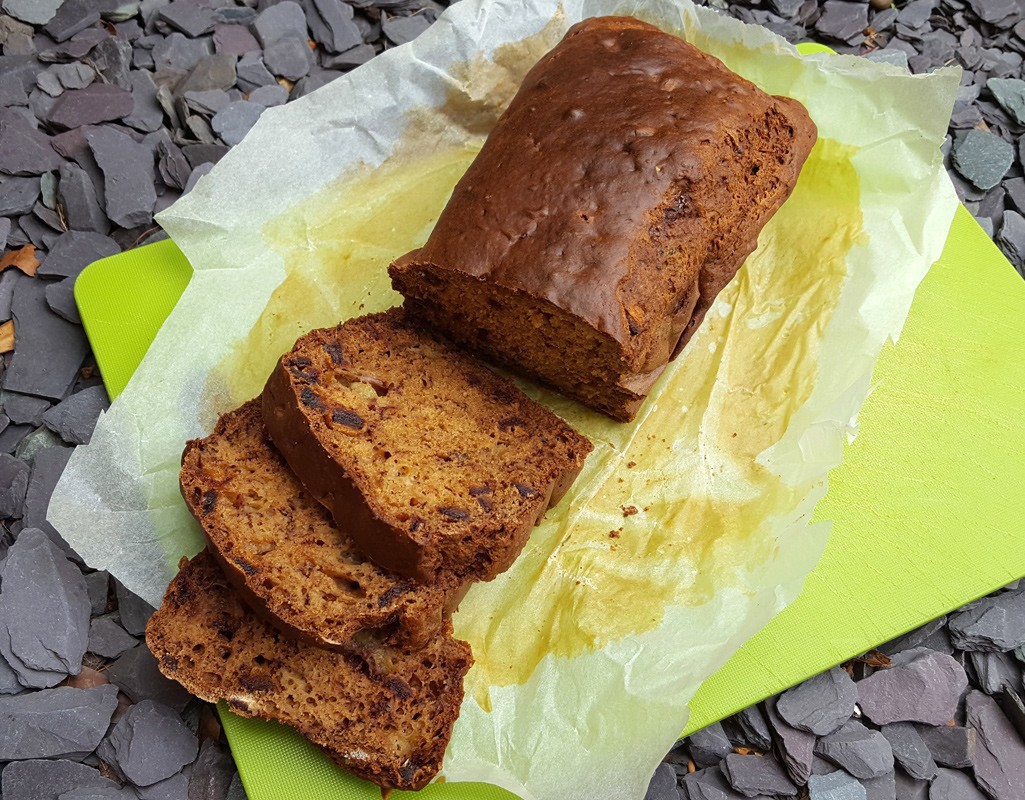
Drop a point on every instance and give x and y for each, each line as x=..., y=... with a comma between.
x=689, y=528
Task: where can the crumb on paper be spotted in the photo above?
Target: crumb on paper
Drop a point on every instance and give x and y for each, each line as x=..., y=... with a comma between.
x=629, y=511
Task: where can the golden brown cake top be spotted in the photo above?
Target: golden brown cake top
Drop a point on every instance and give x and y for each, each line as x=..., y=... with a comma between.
x=602, y=129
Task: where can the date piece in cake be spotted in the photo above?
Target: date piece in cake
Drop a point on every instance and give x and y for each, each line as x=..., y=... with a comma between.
x=387, y=718
x=620, y=191
x=428, y=460
x=282, y=550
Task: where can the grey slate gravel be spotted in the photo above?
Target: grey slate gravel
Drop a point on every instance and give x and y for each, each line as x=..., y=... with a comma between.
x=836, y=786
x=18, y=195
x=129, y=194
x=953, y=785
x=80, y=202
x=982, y=157
x=44, y=611
x=98, y=102
x=54, y=723
x=910, y=750
x=821, y=704
x=288, y=58
x=60, y=297
x=400, y=30
x=860, y=751
x=923, y=686
x=996, y=622
x=174, y=788
x=137, y=675
x=709, y=746
x=108, y=639
x=149, y=743
x=233, y=121
x=14, y=474
x=135, y=612
x=48, y=780
x=754, y=775
x=999, y=762
x=1011, y=239
x=950, y=745
x=662, y=785
x=285, y=20
x=795, y=747
x=24, y=150
x=74, y=418
x=97, y=585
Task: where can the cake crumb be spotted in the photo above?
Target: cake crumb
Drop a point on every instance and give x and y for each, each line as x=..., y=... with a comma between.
x=615, y=534
x=629, y=511
x=631, y=464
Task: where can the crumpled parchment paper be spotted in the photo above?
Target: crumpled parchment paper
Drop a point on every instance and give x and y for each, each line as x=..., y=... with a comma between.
x=689, y=528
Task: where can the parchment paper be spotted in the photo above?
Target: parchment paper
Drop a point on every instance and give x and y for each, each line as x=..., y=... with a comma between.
x=689, y=529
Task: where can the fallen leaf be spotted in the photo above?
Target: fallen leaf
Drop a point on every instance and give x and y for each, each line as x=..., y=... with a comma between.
x=24, y=259
x=7, y=336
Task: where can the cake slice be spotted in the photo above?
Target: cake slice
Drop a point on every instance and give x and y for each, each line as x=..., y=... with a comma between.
x=281, y=550
x=386, y=717
x=619, y=192
x=429, y=461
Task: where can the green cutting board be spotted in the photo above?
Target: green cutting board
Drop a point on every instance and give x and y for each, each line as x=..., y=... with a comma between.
x=927, y=507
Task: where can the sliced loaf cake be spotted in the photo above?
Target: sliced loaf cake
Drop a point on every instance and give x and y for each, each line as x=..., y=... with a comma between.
x=281, y=549
x=386, y=717
x=430, y=461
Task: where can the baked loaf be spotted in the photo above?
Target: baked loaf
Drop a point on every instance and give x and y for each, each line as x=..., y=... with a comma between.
x=617, y=195
x=281, y=550
x=429, y=461
x=387, y=718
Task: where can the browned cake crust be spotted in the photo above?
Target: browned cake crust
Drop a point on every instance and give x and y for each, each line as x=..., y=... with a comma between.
x=431, y=462
x=280, y=548
x=387, y=717
x=617, y=195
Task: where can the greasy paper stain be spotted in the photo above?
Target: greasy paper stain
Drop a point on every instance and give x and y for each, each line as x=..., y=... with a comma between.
x=674, y=507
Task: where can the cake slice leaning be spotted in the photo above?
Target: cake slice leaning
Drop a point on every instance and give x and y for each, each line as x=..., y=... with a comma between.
x=386, y=717
x=281, y=549
x=431, y=462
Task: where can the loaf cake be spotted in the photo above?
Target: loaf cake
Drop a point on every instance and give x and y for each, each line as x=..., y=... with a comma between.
x=616, y=196
x=428, y=460
x=386, y=717
x=281, y=550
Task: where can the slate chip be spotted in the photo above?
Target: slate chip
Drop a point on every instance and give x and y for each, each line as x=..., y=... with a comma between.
x=754, y=730
x=112, y=58
x=5, y=230
x=994, y=623
x=129, y=195
x=179, y=52
x=210, y=72
x=135, y=612
x=821, y=704
x=24, y=151
x=233, y=121
x=922, y=686
x=174, y=788
x=18, y=195
x=662, y=785
x=14, y=475
x=351, y=58
x=401, y=30
x=836, y=786
x=843, y=21
x=74, y=251
x=993, y=10
x=908, y=788
x=60, y=297
x=77, y=198
x=707, y=784
x=44, y=612
x=97, y=584
x=269, y=96
x=173, y=166
x=24, y=409
x=137, y=675
x=149, y=743
x=757, y=775
x=234, y=40
x=74, y=418
x=54, y=723
x=950, y=745
x=795, y=747
x=98, y=102
x=910, y=750
x=48, y=350
x=252, y=72
x=982, y=157
x=333, y=25
x=191, y=19
x=286, y=20
x=236, y=791
x=48, y=463
x=1010, y=93
x=999, y=761
x=46, y=779
x=995, y=672
x=288, y=58
x=108, y=639
x=146, y=115
x=709, y=746
x=72, y=17
x=953, y=785
x=862, y=752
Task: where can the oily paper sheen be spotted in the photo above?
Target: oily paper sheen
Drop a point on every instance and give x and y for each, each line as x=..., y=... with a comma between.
x=689, y=528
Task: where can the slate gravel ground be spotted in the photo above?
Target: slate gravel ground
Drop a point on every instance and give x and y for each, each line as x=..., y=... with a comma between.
x=111, y=109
